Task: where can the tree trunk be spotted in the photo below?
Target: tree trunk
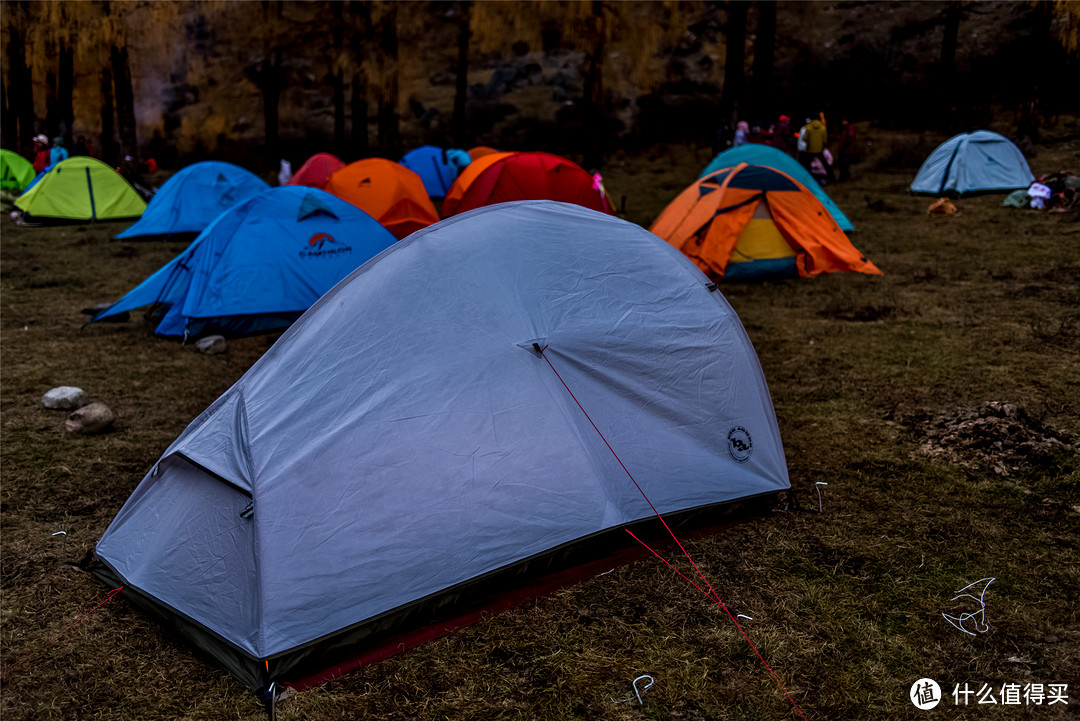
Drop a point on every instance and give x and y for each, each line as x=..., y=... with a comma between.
x=65, y=88
x=110, y=150
x=337, y=75
x=731, y=99
x=272, y=82
x=338, y=81
x=764, y=60
x=461, y=85
x=593, y=90
x=389, y=121
x=20, y=90
x=1041, y=41
x=946, y=69
x=125, y=102
x=360, y=23
x=360, y=145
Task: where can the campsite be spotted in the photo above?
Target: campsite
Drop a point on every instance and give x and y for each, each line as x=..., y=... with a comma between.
x=874, y=380
x=539, y=390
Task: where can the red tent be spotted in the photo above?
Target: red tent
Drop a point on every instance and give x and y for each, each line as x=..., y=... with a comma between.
x=316, y=171
x=502, y=177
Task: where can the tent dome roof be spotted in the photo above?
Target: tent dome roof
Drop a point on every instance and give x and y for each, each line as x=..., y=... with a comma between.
x=404, y=447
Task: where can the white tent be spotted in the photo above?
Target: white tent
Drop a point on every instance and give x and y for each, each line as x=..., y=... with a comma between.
x=449, y=421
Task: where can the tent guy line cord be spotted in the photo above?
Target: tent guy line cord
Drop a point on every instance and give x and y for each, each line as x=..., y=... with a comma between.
x=711, y=593
x=53, y=640
x=716, y=599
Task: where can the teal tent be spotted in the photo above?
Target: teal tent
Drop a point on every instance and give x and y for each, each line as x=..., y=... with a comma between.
x=770, y=157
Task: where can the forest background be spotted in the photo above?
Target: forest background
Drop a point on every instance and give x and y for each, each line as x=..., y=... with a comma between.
x=254, y=82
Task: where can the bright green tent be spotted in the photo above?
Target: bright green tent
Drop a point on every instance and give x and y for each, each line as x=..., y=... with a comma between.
x=16, y=172
x=81, y=188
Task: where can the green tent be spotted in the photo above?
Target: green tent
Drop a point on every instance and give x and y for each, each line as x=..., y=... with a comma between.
x=16, y=172
x=81, y=188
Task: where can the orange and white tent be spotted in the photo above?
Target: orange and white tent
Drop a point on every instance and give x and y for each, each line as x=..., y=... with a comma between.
x=751, y=221
x=387, y=191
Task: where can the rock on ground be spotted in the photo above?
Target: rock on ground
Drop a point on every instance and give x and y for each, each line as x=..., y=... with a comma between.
x=64, y=398
x=93, y=418
x=211, y=345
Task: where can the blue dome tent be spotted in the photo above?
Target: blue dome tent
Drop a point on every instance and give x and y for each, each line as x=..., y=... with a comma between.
x=438, y=168
x=192, y=198
x=979, y=162
x=259, y=265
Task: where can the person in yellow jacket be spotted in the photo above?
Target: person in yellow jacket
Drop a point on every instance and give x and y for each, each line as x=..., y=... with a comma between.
x=816, y=138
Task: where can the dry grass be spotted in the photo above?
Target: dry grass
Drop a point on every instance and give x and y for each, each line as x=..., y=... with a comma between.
x=846, y=604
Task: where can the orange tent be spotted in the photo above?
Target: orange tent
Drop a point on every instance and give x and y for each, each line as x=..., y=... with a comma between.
x=388, y=192
x=751, y=221
x=480, y=151
x=502, y=177
x=316, y=171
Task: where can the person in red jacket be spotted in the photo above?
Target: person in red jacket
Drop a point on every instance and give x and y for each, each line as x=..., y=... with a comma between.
x=41, y=153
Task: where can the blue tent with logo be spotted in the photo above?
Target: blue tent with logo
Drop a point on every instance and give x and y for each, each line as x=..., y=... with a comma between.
x=770, y=157
x=454, y=421
x=978, y=162
x=259, y=265
x=192, y=198
x=437, y=167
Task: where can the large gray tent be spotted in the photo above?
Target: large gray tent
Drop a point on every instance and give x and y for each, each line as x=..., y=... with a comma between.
x=411, y=446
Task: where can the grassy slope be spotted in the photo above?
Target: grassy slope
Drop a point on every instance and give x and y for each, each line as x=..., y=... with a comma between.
x=846, y=604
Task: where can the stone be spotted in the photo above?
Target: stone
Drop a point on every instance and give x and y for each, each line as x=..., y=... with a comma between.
x=64, y=398
x=211, y=345
x=92, y=418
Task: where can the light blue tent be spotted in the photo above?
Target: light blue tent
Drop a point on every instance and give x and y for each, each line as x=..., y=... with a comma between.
x=456, y=419
x=770, y=157
x=979, y=162
x=259, y=265
x=192, y=198
x=438, y=168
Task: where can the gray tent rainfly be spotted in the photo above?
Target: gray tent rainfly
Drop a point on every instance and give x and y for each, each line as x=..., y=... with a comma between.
x=404, y=453
x=978, y=162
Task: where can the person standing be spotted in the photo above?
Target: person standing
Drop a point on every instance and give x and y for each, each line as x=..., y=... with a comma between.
x=58, y=153
x=742, y=134
x=781, y=137
x=816, y=139
x=41, y=153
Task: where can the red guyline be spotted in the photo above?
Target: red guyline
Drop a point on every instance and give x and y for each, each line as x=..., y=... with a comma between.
x=712, y=594
x=720, y=603
x=55, y=638
x=108, y=598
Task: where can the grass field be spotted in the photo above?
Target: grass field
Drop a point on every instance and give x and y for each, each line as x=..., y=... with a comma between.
x=846, y=604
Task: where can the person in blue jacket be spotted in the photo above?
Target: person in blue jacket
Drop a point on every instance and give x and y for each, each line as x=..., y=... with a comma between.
x=58, y=152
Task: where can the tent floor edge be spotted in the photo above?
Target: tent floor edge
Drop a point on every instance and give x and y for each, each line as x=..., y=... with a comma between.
x=439, y=615
x=399, y=629
x=246, y=669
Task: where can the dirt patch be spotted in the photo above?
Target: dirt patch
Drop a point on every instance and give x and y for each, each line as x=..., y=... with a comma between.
x=996, y=437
